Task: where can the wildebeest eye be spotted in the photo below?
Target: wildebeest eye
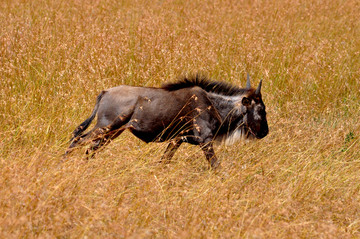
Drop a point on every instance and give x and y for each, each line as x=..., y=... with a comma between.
x=246, y=101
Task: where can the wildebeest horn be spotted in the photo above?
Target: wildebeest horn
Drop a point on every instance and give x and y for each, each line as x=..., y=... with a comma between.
x=248, y=86
x=258, y=88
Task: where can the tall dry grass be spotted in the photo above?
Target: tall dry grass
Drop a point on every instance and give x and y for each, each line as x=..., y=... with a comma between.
x=301, y=181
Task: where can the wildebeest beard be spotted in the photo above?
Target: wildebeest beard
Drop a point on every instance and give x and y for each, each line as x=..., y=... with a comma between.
x=194, y=109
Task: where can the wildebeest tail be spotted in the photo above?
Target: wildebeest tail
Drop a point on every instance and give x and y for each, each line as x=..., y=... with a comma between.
x=84, y=125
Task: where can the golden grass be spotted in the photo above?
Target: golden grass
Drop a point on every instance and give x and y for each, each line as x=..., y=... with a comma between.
x=301, y=181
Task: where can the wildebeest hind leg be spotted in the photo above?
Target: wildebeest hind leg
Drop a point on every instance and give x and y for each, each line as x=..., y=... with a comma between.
x=170, y=150
x=105, y=135
x=79, y=141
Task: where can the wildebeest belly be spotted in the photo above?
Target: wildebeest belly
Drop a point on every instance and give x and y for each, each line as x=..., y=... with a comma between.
x=162, y=117
x=162, y=134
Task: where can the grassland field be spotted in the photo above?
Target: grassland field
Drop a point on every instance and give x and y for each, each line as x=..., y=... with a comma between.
x=301, y=181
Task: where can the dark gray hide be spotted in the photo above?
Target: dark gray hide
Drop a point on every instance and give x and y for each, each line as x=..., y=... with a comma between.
x=193, y=110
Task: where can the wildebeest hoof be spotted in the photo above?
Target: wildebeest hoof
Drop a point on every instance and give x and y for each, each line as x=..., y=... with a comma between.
x=215, y=165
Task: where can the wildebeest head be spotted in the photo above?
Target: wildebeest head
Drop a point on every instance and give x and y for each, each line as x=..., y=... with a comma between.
x=254, y=112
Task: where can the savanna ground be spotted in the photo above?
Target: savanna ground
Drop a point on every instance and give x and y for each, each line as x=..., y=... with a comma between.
x=301, y=181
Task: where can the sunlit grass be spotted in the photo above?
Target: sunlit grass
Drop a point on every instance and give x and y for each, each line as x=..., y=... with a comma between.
x=302, y=180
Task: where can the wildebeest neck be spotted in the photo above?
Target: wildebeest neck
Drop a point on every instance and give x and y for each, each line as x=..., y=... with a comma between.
x=230, y=110
x=225, y=105
x=218, y=87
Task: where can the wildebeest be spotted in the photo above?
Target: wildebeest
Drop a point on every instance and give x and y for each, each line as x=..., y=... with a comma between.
x=194, y=110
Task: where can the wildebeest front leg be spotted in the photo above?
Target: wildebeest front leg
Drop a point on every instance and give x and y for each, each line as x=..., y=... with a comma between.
x=210, y=154
x=203, y=134
x=170, y=150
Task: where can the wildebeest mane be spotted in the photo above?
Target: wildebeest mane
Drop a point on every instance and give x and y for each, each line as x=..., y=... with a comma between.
x=219, y=87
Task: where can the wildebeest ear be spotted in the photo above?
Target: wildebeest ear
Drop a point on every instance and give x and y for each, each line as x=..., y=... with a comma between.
x=245, y=101
x=258, y=88
x=248, y=86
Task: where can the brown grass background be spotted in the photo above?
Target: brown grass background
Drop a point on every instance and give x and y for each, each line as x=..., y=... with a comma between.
x=301, y=181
